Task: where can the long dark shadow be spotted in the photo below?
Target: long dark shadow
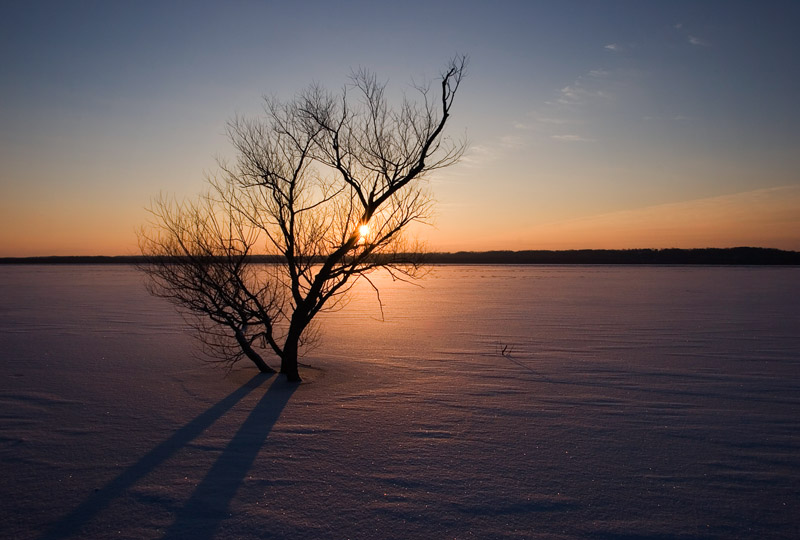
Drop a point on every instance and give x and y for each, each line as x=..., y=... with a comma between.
x=205, y=510
x=70, y=524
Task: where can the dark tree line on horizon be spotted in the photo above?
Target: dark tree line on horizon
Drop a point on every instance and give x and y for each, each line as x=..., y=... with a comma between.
x=701, y=256
x=707, y=256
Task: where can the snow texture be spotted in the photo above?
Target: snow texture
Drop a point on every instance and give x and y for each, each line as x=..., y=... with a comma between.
x=493, y=402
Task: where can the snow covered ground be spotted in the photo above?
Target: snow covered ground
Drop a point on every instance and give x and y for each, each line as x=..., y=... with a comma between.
x=631, y=402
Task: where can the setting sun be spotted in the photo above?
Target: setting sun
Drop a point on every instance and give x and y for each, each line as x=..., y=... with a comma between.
x=363, y=230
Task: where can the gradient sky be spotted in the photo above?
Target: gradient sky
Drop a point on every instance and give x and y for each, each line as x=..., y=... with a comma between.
x=617, y=124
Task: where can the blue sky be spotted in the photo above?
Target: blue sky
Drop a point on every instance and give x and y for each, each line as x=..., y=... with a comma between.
x=590, y=124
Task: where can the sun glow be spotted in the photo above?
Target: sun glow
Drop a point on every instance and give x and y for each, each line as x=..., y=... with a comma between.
x=363, y=231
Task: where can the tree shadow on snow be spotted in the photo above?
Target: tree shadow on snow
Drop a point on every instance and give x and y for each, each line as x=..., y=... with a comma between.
x=207, y=507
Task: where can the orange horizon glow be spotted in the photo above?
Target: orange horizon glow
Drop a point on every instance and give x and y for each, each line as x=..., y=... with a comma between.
x=762, y=218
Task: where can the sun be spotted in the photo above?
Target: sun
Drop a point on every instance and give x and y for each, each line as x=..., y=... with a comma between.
x=363, y=231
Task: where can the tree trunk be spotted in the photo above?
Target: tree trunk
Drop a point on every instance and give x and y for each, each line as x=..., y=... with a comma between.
x=290, y=349
x=289, y=364
x=251, y=354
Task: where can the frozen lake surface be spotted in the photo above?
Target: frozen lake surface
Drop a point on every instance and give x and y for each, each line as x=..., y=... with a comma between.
x=631, y=402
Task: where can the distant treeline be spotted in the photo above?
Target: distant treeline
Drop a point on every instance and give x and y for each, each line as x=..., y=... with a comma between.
x=709, y=256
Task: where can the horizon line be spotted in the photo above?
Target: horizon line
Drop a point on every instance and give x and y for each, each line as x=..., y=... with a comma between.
x=743, y=255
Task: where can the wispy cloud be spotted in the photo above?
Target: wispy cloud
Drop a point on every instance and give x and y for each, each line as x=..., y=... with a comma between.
x=592, y=85
x=493, y=150
x=478, y=154
x=511, y=141
x=691, y=39
x=552, y=121
x=578, y=94
x=571, y=138
x=575, y=104
x=696, y=41
x=614, y=47
x=570, y=95
x=541, y=122
x=674, y=118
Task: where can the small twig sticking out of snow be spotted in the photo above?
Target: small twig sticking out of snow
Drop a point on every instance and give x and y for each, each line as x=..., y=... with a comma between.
x=504, y=350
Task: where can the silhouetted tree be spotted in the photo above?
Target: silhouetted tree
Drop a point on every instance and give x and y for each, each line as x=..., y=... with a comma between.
x=324, y=185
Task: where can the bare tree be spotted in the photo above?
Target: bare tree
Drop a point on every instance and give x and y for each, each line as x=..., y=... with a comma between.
x=323, y=189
